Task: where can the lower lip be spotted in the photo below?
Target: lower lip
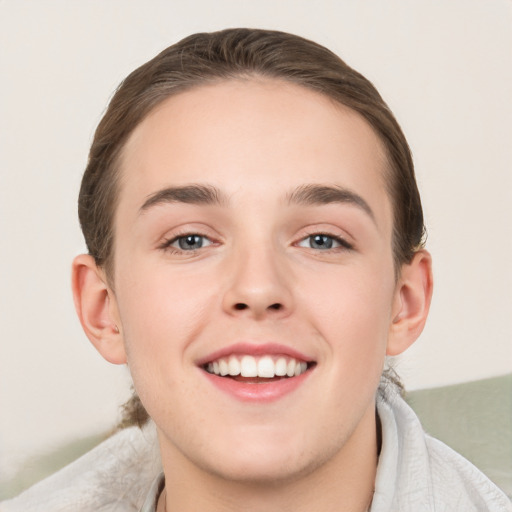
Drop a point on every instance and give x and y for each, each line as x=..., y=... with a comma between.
x=257, y=392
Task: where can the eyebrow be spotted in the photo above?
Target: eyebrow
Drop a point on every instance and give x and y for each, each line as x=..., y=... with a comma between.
x=313, y=195
x=190, y=194
x=310, y=195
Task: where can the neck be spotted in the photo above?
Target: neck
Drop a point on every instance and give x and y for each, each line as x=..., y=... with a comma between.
x=344, y=481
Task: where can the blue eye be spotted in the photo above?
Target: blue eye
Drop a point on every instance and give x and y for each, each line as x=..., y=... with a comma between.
x=323, y=242
x=190, y=242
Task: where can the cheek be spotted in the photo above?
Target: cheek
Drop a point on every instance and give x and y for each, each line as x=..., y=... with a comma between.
x=161, y=313
x=350, y=308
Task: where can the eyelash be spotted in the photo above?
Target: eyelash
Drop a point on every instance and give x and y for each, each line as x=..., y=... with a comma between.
x=167, y=245
x=343, y=244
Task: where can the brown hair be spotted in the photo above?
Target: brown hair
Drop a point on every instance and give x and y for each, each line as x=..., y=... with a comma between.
x=229, y=54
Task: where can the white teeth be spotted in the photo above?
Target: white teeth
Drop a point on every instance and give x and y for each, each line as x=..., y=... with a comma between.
x=290, y=368
x=281, y=367
x=300, y=368
x=248, y=367
x=223, y=367
x=265, y=367
x=234, y=366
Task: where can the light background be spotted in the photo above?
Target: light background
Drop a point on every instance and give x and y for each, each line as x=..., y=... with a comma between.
x=445, y=68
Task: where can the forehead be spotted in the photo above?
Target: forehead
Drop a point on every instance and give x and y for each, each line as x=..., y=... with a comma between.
x=253, y=137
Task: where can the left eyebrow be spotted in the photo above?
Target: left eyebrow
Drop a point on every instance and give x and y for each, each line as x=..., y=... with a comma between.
x=316, y=194
x=189, y=194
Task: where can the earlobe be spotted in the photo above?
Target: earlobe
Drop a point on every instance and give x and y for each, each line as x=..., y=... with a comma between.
x=96, y=308
x=411, y=303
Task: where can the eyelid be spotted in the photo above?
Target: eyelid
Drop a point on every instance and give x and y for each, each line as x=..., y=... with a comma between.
x=172, y=236
x=180, y=237
x=341, y=242
x=335, y=234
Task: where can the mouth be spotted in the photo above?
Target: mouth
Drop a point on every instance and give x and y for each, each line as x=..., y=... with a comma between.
x=255, y=372
x=257, y=369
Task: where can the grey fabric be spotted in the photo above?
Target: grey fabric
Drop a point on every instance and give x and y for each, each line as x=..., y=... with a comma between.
x=115, y=477
x=154, y=493
x=417, y=473
x=475, y=419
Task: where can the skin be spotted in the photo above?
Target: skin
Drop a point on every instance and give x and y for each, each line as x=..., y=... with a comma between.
x=258, y=278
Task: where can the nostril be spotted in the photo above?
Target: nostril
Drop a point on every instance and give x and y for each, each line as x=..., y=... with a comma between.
x=240, y=306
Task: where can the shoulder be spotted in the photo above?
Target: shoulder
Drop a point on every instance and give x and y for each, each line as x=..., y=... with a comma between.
x=419, y=473
x=456, y=479
x=114, y=476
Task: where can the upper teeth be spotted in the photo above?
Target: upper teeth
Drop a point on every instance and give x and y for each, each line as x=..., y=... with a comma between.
x=250, y=366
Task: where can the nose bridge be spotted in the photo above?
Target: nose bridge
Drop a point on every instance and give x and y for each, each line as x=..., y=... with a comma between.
x=259, y=283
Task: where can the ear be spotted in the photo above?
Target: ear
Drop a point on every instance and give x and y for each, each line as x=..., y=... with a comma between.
x=411, y=303
x=96, y=307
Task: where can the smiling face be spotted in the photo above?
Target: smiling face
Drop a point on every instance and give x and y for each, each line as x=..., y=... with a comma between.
x=254, y=280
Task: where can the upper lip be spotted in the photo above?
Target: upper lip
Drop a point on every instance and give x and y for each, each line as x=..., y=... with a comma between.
x=254, y=349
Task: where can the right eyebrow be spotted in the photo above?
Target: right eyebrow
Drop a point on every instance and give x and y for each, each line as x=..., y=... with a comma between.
x=190, y=194
x=318, y=194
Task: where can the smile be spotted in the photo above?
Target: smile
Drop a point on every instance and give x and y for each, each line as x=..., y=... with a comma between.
x=257, y=372
x=263, y=367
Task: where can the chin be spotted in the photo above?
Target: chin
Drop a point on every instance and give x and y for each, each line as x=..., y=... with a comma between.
x=269, y=460
x=262, y=469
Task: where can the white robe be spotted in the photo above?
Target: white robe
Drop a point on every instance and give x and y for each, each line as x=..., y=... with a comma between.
x=416, y=473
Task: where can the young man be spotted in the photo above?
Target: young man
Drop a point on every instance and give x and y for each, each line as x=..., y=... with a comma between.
x=255, y=251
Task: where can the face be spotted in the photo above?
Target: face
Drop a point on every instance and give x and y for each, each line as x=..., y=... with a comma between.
x=254, y=281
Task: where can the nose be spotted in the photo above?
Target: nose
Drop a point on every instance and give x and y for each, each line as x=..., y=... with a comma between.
x=258, y=286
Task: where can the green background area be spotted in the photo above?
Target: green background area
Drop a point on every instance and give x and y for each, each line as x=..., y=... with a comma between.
x=474, y=418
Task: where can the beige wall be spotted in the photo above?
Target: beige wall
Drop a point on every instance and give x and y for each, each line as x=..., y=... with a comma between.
x=445, y=68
